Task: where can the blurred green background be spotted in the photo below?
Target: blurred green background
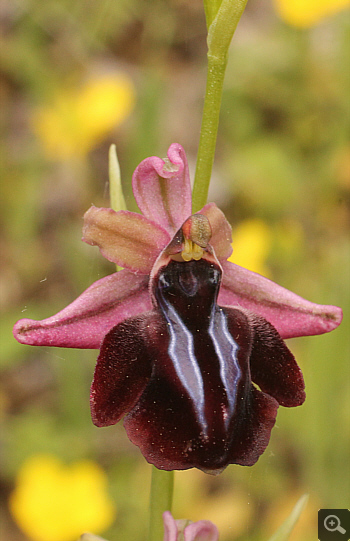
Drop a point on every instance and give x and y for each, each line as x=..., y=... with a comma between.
x=78, y=76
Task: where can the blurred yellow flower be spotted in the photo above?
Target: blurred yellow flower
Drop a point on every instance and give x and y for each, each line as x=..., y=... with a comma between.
x=304, y=13
x=79, y=118
x=251, y=242
x=54, y=502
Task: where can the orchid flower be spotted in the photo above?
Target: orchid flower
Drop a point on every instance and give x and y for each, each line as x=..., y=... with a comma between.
x=183, y=332
x=185, y=530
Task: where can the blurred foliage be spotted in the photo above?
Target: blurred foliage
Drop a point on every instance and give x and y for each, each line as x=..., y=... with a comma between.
x=282, y=176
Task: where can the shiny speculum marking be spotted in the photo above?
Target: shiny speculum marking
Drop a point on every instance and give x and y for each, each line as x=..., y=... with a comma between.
x=201, y=348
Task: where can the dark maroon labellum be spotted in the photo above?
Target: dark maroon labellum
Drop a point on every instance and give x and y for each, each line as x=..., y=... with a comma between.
x=182, y=375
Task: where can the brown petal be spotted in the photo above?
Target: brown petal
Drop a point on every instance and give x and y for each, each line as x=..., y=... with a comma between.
x=126, y=238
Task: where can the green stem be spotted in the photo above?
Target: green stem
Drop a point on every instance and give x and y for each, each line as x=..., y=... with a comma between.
x=209, y=129
x=211, y=7
x=162, y=486
x=220, y=32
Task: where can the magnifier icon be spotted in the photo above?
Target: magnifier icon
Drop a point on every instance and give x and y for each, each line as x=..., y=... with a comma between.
x=332, y=524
